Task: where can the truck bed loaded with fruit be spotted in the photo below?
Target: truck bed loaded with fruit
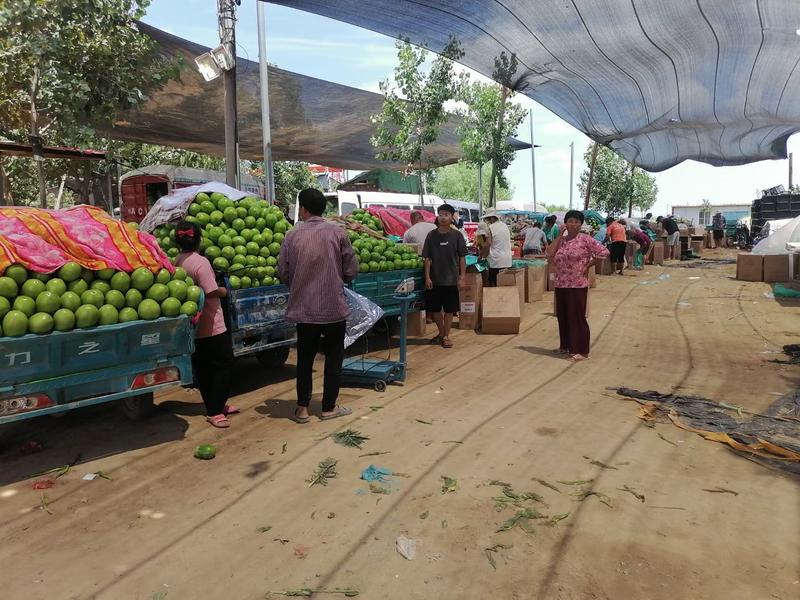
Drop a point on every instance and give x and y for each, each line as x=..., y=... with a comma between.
x=90, y=311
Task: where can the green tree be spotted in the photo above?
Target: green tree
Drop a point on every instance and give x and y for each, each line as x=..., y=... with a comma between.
x=460, y=182
x=67, y=64
x=413, y=110
x=616, y=185
x=290, y=178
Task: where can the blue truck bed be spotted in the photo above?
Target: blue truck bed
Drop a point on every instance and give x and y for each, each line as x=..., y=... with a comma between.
x=42, y=374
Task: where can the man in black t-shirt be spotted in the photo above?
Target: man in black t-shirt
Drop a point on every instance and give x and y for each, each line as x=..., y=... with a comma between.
x=444, y=251
x=673, y=236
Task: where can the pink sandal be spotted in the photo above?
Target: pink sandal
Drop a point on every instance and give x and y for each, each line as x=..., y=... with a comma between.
x=230, y=410
x=219, y=421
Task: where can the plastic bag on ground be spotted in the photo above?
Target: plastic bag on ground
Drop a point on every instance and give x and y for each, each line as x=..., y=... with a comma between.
x=363, y=314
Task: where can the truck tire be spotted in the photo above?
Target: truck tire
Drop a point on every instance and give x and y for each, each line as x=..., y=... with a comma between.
x=273, y=358
x=137, y=408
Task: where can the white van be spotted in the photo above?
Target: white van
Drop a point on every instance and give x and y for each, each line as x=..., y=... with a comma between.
x=343, y=203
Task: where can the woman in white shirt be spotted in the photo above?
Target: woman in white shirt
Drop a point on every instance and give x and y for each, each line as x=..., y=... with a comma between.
x=497, y=248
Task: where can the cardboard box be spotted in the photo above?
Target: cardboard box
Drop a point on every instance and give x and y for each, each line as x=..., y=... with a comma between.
x=416, y=325
x=470, y=297
x=604, y=267
x=500, y=311
x=776, y=268
x=535, y=282
x=697, y=247
x=513, y=277
x=796, y=265
x=658, y=253
x=588, y=299
x=750, y=267
x=551, y=278
x=630, y=252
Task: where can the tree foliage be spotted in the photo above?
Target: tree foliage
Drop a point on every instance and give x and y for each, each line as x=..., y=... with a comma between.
x=413, y=109
x=66, y=65
x=615, y=183
x=460, y=182
x=290, y=178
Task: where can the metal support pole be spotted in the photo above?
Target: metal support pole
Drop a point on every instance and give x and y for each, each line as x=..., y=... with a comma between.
x=571, y=171
x=533, y=163
x=791, y=162
x=226, y=12
x=266, y=130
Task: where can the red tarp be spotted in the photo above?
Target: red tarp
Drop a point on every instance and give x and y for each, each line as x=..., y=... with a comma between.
x=396, y=221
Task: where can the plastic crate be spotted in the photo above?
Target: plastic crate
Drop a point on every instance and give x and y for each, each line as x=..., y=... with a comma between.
x=380, y=287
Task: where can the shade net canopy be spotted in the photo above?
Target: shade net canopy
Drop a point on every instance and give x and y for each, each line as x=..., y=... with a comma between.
x=311, y=120
x=658, y=81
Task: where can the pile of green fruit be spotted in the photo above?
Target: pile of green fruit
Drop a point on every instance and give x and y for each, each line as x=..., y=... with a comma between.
x=242, y=238
x=73, y=297
x=595, y=223
x=376, y=255
x=359, y=215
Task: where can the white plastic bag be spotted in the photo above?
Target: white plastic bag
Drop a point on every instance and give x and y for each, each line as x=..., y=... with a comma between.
x=363, y=314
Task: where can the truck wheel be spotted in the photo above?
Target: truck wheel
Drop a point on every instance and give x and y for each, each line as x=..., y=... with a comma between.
x=137, y=408
x=274, y=358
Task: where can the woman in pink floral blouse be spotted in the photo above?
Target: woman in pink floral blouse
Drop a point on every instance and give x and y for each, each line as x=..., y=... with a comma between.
x=571, y=256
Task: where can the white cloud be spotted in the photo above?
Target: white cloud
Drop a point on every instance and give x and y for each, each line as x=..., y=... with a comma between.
x=554, y=128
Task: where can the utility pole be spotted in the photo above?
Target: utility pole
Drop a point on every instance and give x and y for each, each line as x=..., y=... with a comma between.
x=226, y=12
x=533, y=162
x=266, y=130
x=595, y=149
x=571, y=171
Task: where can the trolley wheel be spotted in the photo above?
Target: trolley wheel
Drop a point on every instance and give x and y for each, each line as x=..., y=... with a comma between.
x=137, y=408
x=380, y=385
x=274, y=358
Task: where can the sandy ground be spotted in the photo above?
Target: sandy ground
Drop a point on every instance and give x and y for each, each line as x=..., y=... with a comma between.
x=168, y=526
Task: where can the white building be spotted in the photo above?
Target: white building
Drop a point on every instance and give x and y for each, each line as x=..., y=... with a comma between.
x=701, y=214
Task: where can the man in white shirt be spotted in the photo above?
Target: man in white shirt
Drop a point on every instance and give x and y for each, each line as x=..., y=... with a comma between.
x=535, y=239
x=497, y=247
x=419, y=229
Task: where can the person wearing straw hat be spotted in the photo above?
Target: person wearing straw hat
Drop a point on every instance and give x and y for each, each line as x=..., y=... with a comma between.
x=496, y=248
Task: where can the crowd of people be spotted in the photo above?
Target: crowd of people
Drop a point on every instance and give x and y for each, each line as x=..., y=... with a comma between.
x=317, y=260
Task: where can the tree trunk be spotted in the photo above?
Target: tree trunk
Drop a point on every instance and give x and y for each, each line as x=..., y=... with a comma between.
x=497, y=141
x=3, y=186
x=86, y=183
x=631, y=192
x=595, y=150
x=36, y=142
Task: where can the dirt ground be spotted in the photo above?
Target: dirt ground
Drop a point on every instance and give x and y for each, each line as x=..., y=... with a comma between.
x=169, y=526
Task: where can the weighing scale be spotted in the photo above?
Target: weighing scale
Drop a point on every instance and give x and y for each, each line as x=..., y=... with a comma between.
x=375, y=372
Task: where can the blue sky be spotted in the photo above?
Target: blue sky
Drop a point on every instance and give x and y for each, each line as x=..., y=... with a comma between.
x=324, y=48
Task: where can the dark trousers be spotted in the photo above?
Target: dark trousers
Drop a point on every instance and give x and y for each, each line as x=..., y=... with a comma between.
x=492, y=279
x=212, y=361
x=572, y=325
x=308, y=335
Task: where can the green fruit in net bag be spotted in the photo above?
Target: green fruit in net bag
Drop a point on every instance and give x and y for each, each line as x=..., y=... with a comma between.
x=149, y=309
x=108, y=315
x=86, y=316
x=18, y=273
x=142, y=279
x=128, y=314
x=15, y=324
x=63, y=320
x=70, y=271
x=41, y=323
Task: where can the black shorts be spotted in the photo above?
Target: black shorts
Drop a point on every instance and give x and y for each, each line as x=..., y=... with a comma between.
x=442, y=298
x=618, y=251
x=719, y=234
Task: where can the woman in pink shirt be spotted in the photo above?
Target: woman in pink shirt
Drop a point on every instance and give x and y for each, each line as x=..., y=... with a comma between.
x=213, y=352
x=573, y=253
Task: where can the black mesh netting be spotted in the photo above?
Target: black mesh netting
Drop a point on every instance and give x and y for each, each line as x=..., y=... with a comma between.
x=659, y=81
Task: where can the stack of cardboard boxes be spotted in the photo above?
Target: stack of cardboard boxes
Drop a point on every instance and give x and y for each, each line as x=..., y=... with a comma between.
x=770, y=268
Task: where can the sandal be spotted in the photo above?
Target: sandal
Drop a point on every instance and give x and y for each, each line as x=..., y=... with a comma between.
x=298, y=419
x=447, y=343
x=219, y=421
x=578, y=358
x=230, y=410
x=339, y=411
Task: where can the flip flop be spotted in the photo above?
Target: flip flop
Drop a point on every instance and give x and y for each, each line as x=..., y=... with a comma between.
x=339, y=411
x=230, y=410
x=298, y=419
x=576, y=358
x=447, y=343
x=219, y=421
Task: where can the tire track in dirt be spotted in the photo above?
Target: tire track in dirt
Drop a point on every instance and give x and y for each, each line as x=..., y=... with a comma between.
x=134, y=568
